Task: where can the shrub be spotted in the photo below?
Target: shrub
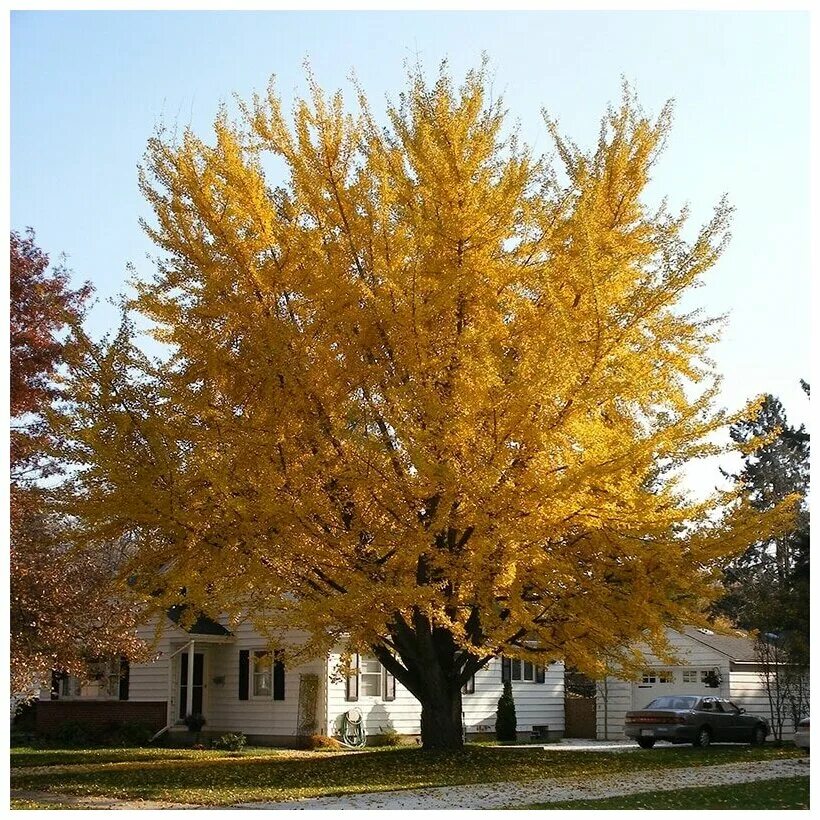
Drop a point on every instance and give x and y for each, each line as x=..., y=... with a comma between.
x=315, y=742
x=387, y=736
x=128, y=733
x=76, y=733
x=25, y=717
x=194, y=722
x=505, y=721
x=234, y=742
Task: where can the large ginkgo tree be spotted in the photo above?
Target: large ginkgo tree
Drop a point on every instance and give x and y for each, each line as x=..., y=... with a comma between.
x=426, y=393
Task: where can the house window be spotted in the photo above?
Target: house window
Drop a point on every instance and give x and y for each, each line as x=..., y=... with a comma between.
x=370, y=672
x=691, y=676
x=70, y=687
x=262, y=673
x=366, y=677
x=517, y=670
x=102, y=682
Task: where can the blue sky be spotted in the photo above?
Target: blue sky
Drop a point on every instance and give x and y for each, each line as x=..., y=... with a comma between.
x=88, y=88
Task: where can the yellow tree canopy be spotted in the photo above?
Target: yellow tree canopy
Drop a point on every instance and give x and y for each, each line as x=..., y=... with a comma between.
x=430, y=384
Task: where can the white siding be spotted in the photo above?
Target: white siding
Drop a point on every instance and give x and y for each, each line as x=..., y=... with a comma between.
x=402, y=714
x=616, y=697
x=150, y=681
x=225, y=712
x=748, y=690
x=536, y=704
x=222, y=708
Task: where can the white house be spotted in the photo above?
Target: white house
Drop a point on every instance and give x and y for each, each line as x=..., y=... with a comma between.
x=709, y=664
x=238, y=686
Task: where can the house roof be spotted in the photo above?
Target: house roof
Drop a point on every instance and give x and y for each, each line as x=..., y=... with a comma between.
x=203, y=625
x=737, y=647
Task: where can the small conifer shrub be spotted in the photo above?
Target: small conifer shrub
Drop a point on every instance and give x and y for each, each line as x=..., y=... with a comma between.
x=505, y=720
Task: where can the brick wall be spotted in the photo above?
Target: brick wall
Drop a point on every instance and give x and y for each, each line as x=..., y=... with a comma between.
x=51, y=713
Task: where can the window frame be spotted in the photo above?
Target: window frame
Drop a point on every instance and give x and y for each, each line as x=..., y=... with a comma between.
x=253, y=674
x=386, y=686
x=651, y=676
x=107, y=682
x=514, y=664
x=371, y=676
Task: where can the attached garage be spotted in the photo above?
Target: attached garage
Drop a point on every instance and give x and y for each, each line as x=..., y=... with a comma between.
x=723, y=666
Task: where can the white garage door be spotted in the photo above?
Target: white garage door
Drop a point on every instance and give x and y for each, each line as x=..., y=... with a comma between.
x=669, y=681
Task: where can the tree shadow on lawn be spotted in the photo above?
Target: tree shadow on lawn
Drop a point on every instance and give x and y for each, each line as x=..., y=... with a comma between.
x=241, y=779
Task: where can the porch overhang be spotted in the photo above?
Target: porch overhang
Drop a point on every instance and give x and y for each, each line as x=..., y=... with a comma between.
x=203, y=629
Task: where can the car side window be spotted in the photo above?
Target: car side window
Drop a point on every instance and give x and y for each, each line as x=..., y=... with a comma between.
x=730, y=707
x=720, y=707
x=706, y=706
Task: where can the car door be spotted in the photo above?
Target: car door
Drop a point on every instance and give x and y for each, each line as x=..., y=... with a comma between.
x=718, y=721
x=725, y=722
x=742, y=725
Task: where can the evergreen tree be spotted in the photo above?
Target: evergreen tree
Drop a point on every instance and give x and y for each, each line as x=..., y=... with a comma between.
x=767, y=586
x=505, y=720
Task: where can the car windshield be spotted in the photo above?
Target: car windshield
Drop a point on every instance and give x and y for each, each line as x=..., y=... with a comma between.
x=672, y=702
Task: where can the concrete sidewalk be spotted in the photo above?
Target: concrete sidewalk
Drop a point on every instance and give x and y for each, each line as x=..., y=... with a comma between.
x=514, y=795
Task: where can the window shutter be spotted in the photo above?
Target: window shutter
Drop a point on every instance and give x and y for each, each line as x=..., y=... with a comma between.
x=278, y=675
x=389, y=686
x=244, y=665
x=540, y=674
x=56, y=679
x=125, y=673
x=469, y=686
x=352, y=679
x=506, y=670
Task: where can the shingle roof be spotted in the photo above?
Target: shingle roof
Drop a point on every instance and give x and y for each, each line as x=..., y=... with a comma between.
x=203, y=625
x=737, y=647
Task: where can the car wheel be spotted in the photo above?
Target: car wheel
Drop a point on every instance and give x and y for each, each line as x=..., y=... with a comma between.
x=704, y=737
x=646, y=742
x=759, y=735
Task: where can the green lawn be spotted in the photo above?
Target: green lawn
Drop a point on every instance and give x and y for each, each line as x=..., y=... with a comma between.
x=782, y=793
x=215, y=778
x=35, y=804
x=27, y=756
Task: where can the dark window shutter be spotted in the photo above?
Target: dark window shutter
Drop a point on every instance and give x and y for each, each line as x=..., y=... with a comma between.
x=244, y=664
x=469, y=686
x=278, y=675
x=389, y=686
x=516, y=669
x=125, y=673
x=352, y=679
x=540, y=674
x=56, y=679
x=506, y=670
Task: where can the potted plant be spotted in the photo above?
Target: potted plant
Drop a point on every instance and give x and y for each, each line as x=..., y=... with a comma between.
x=195, y=723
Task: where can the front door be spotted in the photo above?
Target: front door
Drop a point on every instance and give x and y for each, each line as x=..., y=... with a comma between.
x=199, y=666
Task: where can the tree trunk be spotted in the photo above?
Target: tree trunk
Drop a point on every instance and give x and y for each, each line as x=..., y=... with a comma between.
x=429, y=663
x=441, y=721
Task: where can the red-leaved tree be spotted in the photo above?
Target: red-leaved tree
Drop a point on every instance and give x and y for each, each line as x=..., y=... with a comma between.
x=65, y=612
